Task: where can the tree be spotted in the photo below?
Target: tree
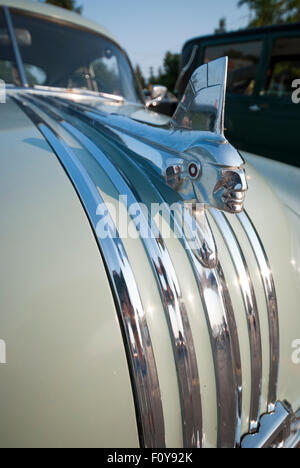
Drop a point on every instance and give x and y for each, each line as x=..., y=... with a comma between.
x=291, y=11
x=140, y=77
x=152, y=78
x=222, y=26
x=169, y=74
x=268, y=12
x=67, y=4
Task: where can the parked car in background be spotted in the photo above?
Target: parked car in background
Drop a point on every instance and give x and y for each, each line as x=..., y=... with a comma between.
x=149, y=277
x=264, y=63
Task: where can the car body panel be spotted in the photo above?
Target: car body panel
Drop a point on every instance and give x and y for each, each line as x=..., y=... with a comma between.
x=66, y=361
x=69, y=378
x=288, y=295
x=284, y=179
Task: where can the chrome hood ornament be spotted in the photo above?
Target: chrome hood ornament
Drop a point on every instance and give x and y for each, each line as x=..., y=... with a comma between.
x=210, y=171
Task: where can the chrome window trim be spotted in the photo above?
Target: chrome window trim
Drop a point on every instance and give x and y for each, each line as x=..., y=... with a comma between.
x=211, y=283
x=271, y=302
x=15, y=46
x=250, y=304
x=142, y=368
x=166, y=278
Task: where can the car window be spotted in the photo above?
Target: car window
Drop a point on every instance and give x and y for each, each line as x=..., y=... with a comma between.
x=243, y=64
x=65, y=56
x=8, y=72
x=284, y=67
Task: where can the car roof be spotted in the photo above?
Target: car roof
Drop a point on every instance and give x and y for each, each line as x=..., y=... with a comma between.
x=58, y=14
x=246, y=32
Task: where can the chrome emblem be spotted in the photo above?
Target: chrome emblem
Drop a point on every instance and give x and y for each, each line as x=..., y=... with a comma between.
x=211, y=170
x=280, y=429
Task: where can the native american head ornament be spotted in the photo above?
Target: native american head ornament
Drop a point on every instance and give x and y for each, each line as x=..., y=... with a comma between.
x=207, y=170
x=211, y=171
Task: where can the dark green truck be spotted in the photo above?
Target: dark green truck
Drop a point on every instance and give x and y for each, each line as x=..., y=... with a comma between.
x=263, y=102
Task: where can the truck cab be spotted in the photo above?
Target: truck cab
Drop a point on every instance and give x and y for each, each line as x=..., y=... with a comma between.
x=262, y=108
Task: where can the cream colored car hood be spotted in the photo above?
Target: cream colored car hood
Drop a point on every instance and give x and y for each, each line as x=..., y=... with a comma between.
x=66, y=381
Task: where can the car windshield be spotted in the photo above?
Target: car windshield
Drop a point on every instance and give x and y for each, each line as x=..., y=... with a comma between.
x=58, y=55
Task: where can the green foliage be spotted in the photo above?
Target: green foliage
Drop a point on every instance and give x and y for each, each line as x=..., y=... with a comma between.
x=268, y=12
x=152, y=77
x=67, y=4
x=106, y=76
x=222, y=26
x=291, y=11
x=169, y=74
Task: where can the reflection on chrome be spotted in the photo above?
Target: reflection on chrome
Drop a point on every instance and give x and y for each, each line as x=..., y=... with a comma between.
x=225, y=347
x=271, y=302
x=129, y=305
x=202, y=105
x=198, y=235
x=249, y=299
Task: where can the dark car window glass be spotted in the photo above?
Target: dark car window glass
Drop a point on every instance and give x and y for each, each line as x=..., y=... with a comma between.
x=284, y=67
x=63, y=56
x=8, y=72
x=243, y=64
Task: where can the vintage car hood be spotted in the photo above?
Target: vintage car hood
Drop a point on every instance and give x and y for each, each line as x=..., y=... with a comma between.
x=208, y=391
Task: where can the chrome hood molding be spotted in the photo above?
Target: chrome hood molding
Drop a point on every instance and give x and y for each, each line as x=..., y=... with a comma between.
x=125, y=150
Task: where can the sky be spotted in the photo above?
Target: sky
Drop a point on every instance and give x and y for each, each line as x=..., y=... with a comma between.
x=147, y=29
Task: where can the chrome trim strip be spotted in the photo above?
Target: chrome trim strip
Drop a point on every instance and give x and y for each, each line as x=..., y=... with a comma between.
x=169, y=288
x=15, y=46
x=222, y=327
x=237, y=387
x=270, y=424
x=220, y=318
x=129, y=306
x=279, y=429
x=271, y=302
x=249, y=299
